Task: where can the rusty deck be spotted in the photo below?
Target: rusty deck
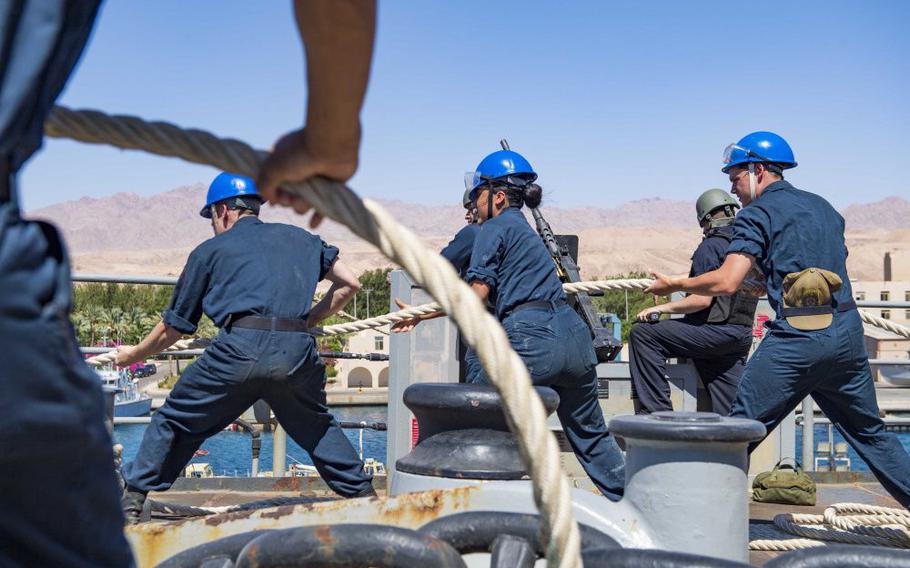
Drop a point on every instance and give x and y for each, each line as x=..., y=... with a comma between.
x=759, y=513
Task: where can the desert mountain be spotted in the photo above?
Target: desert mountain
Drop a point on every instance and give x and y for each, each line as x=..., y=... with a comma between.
x=126, y=233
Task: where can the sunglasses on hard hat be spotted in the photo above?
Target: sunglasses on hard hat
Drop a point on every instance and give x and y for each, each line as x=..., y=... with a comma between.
x=728, y=153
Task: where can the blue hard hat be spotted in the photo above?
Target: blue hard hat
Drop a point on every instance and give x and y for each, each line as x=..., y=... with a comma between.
x=225, y=186
x=505, y=165
x=759, y=147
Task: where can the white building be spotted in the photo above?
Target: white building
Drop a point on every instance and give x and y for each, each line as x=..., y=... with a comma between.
x=884, y=291
x=359, y=373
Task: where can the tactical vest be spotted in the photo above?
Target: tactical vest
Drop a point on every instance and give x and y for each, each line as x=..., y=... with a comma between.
x=738, y=309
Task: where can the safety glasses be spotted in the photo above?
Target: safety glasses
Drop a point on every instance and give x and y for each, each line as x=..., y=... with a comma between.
x=728, y=153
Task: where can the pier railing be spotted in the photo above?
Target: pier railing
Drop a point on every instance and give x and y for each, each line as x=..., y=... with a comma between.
x=807, y=419
x=808, y=407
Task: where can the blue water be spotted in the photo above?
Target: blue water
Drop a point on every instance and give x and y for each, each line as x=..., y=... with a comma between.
x=230, y=453
x=820, y=433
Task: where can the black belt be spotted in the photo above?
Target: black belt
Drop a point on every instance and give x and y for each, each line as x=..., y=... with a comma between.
x=538, y=304
x=818, y=310
x=268, y=324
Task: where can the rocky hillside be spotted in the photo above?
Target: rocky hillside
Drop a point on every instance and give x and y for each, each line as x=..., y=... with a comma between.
x=126, y=233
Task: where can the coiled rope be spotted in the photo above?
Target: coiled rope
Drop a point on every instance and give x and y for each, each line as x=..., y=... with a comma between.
x=848, y=523
x=370, y=221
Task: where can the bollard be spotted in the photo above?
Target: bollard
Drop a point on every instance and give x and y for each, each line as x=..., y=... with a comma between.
x=464, y=438
x=686, y=473
x=110, y=394
x=279, y=451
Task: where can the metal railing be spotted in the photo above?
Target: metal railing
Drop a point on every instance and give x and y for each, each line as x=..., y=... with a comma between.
x=125, y=279
x=808, y=408
x=882, y=304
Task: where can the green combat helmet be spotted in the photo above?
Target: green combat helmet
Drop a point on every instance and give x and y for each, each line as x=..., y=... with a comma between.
x=712, y=200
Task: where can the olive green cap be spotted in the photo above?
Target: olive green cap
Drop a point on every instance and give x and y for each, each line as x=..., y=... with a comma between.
x=810, y=289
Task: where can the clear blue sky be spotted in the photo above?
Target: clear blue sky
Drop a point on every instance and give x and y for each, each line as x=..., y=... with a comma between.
x=610, y=101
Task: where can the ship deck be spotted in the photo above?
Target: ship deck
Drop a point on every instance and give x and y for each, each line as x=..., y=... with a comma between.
x=218, y=492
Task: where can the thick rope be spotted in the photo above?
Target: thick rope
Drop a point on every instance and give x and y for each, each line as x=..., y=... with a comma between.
x=424, y=309
x=180, y=345
x=394, y=317
x=523, y=408
x=889, y=325
x=848, y=523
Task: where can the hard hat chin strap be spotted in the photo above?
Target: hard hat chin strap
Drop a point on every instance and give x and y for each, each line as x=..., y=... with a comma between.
x=752, y=182
x=490, y=202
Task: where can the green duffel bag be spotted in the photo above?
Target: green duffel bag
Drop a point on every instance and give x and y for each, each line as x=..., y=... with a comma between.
x=785, y=484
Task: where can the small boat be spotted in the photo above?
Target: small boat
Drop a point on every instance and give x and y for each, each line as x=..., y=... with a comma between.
x=129, y=401
x=199, y=470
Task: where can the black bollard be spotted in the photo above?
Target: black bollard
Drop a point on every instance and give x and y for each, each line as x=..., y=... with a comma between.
x=463, y=434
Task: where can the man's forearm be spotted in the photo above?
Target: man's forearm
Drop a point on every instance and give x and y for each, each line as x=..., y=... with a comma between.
x=333, y=302
x=688, y=305
x=338, y=37
x=159, y=339
x=708, y=284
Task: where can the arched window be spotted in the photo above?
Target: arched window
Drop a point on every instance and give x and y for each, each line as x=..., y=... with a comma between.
x=360, y=377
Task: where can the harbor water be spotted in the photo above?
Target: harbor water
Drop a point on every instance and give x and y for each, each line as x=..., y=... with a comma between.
x=230, y=454
x=856, y=463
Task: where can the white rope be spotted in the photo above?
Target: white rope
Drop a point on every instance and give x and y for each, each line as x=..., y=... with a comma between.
x=523, y=408
x=378, y=321
x=849, y=523
x=179, y=345
x=901, y=330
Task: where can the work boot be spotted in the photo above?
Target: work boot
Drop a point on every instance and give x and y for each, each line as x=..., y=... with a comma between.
x=368, y=492
x=134, y=507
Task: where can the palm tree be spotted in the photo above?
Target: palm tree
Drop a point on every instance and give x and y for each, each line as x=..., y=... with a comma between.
x=114, y=321
x=93, y=315
x=134, y=318
x=80, y=325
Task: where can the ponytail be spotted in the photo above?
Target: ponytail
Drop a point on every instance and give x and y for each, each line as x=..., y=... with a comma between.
x=519, y=196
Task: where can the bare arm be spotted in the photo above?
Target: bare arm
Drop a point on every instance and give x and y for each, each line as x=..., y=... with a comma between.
x=479, y=288
x=688, y=305
x=724, y=281
x=344, y=285
x=160, y=338
x=338, y=39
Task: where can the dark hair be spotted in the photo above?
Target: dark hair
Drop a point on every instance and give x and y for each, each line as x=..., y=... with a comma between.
x=251, y=203
x=530, y=195
x=774, y=168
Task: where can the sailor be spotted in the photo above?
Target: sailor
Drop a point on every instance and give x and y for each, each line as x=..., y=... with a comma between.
x=511, y=268
x=815, y=346
x=50, y=401
x=715, y=332
x=458, y=251
x=256, y=282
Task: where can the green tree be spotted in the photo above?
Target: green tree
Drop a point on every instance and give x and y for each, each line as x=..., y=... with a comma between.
x=93, y=316
x=114, y=322
x=374, y=296
x=625, y=304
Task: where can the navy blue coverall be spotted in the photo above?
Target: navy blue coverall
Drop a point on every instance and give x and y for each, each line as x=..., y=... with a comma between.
x=550, y=337
x=718, y=350
x=458, y=252
x=787, y=230
x=60, y=498
x=260, y=269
